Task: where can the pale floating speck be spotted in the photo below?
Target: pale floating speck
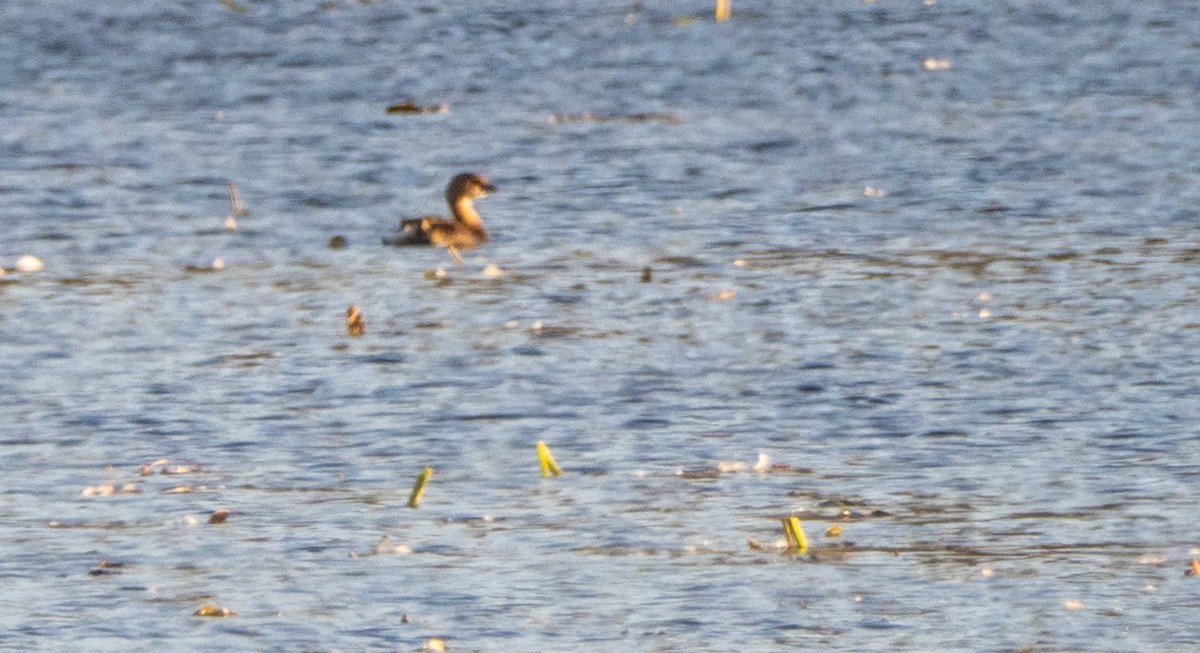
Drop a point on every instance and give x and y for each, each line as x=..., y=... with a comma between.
x=230, y=223
x=385, y=547
x=1073, y=604
x=739, y=263
x=110, y=490
x=29, y=263
x=984, y=313
x=723, y=296
x=858, y=599
x=639, y=473
x=1151, y=587
x=730, y=466
x=512, y=324
x=179, y=469
x=762, y=464
x=987, y=572
x=677, y=210
x=435, y=644
x=985, y=296
x=492, y=271
x=218, y=264
x=536, y=327
x=871, y=191
x=191, y=520
x=935, y=63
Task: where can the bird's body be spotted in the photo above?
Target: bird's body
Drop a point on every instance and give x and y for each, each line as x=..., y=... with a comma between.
x=464, y=230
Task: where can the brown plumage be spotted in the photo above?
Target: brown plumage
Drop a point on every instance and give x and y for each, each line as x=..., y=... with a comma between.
x=463, y=231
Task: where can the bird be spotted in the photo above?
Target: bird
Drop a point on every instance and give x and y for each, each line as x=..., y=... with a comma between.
x=464, y=230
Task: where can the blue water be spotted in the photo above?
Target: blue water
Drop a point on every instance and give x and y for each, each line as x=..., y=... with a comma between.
x=956, y=309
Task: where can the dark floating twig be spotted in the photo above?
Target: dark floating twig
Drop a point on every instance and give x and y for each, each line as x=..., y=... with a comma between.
x=587, y=116
x=412, y=108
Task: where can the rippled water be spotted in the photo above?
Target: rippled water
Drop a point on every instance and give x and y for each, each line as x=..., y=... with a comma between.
x=956, y=308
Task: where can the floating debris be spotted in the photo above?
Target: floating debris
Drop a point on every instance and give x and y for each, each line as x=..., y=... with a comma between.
x=797, y=540
x=435, y=644
x=106, y=568
x=587, y=116
x=723, y=296
x=110, y=489
x=1194, y=569
x=180, y=469
x=148, y=469
x=219, y=516
x=217, y=265
x=492, y=271
x=385, y=547
x=235, y=6
x=338, y=242
x=647, y=274
x=412, y=108
x=546, y=460
x=934, y=63
x=418, y=491
x=355, y=325
x=871, y=191
x=755, y=545
x=723, y=9
x=209, y=610
x=834, y=531
x=179, y=489
x=762, y=464
x=1073, y=604
x=539, y=329
x=236, y=208
x=29, y=263
x=436, y=273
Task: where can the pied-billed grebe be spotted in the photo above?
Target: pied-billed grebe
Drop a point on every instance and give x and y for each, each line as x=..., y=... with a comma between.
x=464, y=231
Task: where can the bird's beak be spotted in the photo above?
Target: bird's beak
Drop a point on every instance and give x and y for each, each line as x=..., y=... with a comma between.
x=489, y=188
